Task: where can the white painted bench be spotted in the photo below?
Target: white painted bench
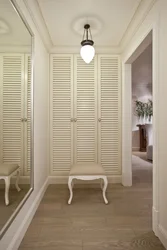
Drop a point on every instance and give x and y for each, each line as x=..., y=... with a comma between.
x=87, y=171
x=7, y=170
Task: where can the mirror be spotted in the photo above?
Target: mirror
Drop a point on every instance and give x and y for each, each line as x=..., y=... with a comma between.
x=16, y=170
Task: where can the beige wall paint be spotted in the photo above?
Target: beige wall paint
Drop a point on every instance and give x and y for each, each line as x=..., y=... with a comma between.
x=41, y=74
x=141, y=88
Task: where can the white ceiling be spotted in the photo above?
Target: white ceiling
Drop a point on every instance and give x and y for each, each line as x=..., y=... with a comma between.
x=109, y=20
x=12, y=29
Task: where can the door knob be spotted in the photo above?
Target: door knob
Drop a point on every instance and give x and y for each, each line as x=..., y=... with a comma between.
x=99, y=119
x=71, y=119
x=75, y=119
x=23, y=119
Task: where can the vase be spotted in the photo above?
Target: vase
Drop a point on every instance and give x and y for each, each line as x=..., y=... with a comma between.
x=150, y=119
x=140, y=119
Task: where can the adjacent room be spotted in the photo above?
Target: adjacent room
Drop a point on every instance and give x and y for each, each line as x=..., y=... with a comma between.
x=142, y=117
x=83, y=90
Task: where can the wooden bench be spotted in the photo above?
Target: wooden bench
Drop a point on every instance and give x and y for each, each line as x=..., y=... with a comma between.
x=7, y=170
x=87, y=171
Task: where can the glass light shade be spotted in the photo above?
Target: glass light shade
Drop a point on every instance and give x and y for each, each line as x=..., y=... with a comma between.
x=87, y=53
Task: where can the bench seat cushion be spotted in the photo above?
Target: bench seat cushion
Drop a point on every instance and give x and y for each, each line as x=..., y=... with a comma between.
x=87, y=169
x=6, y=169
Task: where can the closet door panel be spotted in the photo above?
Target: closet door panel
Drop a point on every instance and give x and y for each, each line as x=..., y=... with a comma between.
x=85, y=110
x=109, y=114
x=61, y=114
x=27, y=115
x=12, y=83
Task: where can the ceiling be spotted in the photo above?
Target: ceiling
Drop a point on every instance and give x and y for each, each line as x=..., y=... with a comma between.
x=109, y=20
x=12, y=29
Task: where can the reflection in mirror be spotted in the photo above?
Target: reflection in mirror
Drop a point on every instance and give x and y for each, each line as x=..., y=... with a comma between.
x=15, y=113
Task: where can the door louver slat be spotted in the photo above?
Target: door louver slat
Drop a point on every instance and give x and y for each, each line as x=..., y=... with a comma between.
x=27, y=125
x=12, y=83
x=85, y=110
x=109, y=111
x=61, y=81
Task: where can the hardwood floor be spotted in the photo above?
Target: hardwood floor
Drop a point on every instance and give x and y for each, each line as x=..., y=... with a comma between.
x=89, y=224
x=15, y=198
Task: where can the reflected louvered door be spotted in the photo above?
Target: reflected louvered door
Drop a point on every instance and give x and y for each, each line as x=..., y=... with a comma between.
x=61, y=113
x=27, y=114
x=109, y=114
x=85, y=110
x=12, y=83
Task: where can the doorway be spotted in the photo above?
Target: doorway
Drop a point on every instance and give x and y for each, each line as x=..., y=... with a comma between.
x=150, y=37
x=142, y=126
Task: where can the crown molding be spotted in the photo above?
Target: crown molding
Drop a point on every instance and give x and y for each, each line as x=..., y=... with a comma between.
x=34, y=9
x=37, y=18
x=142, y=11
x=76, y=50
x=15, y=49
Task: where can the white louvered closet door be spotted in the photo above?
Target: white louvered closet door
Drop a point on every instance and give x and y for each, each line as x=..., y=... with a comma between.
x=61, y=114
x=12, y=83
x=27, y=114
x=109, y=114
x=85, y=110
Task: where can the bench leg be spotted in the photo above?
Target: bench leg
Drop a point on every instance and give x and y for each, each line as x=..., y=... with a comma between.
x=17, y=181
x=70, y=188
x=7, y=186
x=104, y=189
x=101, y=184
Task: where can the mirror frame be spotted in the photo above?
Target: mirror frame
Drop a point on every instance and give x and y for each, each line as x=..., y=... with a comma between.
x=12, y=217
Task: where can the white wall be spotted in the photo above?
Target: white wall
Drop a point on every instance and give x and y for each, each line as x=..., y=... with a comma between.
x=156, y=19
x=17, y=229
x=141, y=88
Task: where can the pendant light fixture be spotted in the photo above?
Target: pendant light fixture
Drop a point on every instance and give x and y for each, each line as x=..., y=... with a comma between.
x=87, y=51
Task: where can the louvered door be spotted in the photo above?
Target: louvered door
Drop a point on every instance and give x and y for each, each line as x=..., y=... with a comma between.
x=109, y=114
x=85, y=110
x=12, y=83
x=27, y=114
x=61, y=114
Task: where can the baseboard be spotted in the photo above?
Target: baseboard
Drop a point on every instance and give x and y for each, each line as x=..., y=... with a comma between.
x=135, y=148
x=155, y=220
x=15, y=243
x=162, y=235
x=64, y=180
x=127, y=179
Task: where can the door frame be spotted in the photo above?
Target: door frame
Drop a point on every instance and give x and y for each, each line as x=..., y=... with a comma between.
x=127, y=116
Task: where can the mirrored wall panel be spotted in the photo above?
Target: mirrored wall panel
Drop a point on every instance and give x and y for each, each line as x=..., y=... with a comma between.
x=15, y=112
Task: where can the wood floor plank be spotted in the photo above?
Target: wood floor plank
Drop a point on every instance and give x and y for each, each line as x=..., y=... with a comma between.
x=88, y=224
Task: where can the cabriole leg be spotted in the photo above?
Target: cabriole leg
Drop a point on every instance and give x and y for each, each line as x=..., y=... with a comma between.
x=17, y=181
x=7, y=186
x=70, y=188
x=104, y=189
